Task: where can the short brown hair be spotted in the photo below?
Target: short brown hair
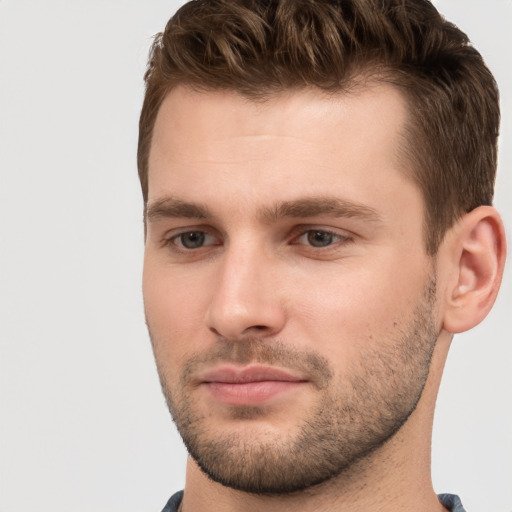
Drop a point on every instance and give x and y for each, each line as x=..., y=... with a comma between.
x=260, y=47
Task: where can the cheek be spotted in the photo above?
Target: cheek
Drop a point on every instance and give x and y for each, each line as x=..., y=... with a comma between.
x=353, y=309
x=174, y=309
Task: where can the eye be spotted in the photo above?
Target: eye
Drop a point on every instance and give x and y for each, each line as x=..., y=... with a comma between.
x=319, y=238
x=193, y=240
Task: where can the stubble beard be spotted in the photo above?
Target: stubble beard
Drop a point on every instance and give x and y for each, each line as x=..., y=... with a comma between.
x=352, y=419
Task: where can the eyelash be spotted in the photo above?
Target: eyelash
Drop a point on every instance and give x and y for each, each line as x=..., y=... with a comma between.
x=343, y=239
x=171, y=241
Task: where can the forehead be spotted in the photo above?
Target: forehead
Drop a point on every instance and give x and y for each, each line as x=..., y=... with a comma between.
x=198, y=117
x=295, y=143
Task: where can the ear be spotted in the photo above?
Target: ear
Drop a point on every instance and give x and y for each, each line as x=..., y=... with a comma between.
x=476, y=252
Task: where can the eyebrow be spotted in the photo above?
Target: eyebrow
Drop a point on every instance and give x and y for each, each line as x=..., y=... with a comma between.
x=315, y=206
x=170, y=207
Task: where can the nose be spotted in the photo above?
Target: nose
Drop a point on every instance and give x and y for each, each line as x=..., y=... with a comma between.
x=246, y=300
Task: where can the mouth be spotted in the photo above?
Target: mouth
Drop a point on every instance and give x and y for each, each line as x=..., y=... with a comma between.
x=249, y=386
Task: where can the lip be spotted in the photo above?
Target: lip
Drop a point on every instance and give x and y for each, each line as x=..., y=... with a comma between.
x=249, y=386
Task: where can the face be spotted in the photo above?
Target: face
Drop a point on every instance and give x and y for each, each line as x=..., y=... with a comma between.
x=287, y=291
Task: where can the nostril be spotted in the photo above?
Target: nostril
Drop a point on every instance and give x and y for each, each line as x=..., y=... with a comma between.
x=215, y=331
x=257, y=328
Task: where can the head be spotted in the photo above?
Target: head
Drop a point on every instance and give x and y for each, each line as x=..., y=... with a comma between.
x=261, y=48
x=305, y=167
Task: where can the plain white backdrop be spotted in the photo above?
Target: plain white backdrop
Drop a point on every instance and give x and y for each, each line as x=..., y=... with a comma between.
x=83, y=425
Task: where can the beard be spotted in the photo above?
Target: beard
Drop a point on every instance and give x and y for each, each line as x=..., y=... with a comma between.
x=352, y=417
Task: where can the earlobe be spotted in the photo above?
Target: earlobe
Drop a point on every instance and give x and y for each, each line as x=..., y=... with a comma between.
x=477, y=250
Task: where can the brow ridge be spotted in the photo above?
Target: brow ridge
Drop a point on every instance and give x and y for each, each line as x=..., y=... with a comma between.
x=315, y=206
x=170, y=207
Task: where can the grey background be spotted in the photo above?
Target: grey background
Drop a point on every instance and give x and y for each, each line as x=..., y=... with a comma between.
x=83, y=426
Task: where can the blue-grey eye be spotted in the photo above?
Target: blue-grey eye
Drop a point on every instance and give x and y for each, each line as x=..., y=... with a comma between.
x=318, y=238
x=192, y=239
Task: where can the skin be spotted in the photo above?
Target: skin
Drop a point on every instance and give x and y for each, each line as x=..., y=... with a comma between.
x=258, y=279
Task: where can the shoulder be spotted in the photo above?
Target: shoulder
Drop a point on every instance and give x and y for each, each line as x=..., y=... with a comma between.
x=451, y=502
x=174, y=502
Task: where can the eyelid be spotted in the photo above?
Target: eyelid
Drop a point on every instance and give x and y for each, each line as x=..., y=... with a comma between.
x=343, y=234
x=169, y=238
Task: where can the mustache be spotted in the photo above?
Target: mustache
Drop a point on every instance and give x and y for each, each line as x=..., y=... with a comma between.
x=265, y=352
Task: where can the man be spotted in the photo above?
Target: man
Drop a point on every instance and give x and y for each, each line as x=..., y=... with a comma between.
x=318, y=179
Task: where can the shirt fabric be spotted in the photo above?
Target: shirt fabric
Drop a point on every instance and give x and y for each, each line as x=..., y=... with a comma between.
x=450, y=501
